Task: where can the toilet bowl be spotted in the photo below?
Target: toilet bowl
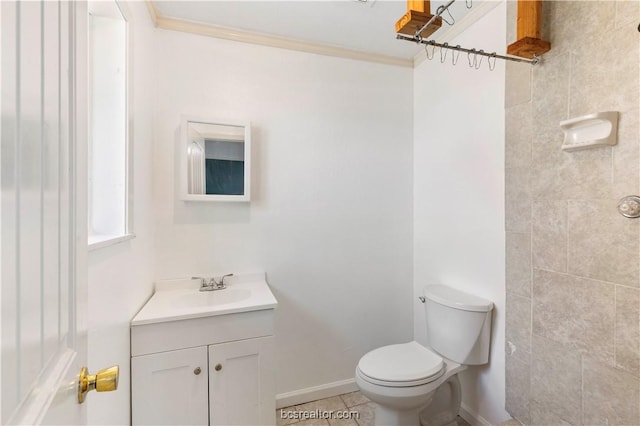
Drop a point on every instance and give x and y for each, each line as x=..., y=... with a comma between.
x=403, y=379
x=412, y=384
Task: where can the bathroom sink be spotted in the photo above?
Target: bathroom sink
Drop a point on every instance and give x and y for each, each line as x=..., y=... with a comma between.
x=210, y=298
x=181, y=299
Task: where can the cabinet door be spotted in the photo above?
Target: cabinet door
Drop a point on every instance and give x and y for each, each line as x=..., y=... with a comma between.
x=241, y=383
x=170, y=388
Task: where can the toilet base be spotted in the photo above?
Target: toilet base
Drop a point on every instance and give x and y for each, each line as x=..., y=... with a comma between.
x=387, y=417
x=440, y=408
x=432, y=404
x=445, y=405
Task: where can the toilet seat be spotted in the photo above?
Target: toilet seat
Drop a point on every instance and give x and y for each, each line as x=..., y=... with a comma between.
x=408, y=364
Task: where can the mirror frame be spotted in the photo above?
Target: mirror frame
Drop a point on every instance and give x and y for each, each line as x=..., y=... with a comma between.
x=183, y=166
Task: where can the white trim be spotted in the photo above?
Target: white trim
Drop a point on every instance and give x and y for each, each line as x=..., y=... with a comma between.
x=153, y=12
x=100, y=241
x=479, y=10
x=315, y=393
x=175, y=24
x=473, y=418
x=129, y=148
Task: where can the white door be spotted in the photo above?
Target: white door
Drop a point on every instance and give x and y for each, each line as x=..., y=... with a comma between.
x=43, y=211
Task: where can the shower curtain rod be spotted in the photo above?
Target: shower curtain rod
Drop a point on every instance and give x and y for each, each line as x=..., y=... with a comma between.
x=475, y=52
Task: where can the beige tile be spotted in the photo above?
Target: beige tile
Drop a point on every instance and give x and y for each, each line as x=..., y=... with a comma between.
x=342, y=422
x=313, y=422
x=511, y=422
x=517, y=83
x=461, y=422
x=557, y=174
x=545, y=25
x=518, y=386
x=518, y=135
x=518, y=325
x=571, y=21
x=555, y=382
x=549, y=235
x=517, y=201
x=611, y=396
x=602, y=244
x=550, y=85
x=603, y=77
x=284, y=416
x=628, y=329
x=627, y=13
x=512, y=16
x=354, y=398
x=550, y=91
x=541, y=416
x=575, y=312
x=367, y=414
x=518, y=264
x=328, y=404
x=626, y=155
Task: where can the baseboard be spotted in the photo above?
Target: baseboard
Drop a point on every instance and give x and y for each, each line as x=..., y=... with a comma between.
x=314, y=393
x=473, y=418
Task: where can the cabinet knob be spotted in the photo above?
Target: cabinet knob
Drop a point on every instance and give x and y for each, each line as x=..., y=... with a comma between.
x=218, y=367
x=197, y=371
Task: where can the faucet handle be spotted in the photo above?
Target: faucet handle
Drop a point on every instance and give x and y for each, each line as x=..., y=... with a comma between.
x=222, y=279
x=203, y=281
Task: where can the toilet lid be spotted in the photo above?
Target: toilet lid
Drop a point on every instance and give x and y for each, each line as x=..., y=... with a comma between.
x=408, y=362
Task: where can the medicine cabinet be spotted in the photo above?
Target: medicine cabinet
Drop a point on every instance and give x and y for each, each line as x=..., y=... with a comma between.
x=215, y=160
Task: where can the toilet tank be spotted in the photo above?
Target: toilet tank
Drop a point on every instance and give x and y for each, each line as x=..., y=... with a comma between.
x=458, y=324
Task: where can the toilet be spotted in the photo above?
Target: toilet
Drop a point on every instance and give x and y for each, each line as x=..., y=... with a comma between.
x=412, y=384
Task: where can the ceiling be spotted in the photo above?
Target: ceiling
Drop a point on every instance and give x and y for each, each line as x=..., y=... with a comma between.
x=349, y=24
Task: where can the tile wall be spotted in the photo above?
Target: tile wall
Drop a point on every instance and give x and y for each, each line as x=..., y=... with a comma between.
x=573, y=262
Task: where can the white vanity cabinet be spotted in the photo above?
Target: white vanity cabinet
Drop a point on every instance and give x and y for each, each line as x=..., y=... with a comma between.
x=170, y=388
x=241, y=382
x=203, y=367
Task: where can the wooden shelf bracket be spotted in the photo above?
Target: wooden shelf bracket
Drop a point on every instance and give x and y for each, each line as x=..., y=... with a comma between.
x=528, y=43
x=418, y=14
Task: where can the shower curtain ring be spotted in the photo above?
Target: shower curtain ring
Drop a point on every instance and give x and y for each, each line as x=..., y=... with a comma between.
x=471, y=64
x=477, y=63
x=492, y=67
x=443, y=47
x=454, y=57
x=426, y=50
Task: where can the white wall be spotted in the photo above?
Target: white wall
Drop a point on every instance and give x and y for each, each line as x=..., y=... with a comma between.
x=330, y=216
x=459, y=194
x=121, y=276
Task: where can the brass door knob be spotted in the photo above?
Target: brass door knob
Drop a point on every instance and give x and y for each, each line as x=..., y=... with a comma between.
x=105, y=380
x=218, y=367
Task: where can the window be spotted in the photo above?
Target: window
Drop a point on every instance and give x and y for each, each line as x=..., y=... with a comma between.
x=109, y=186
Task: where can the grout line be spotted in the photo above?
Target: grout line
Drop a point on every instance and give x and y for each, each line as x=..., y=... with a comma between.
x=615, y=326
x=566, y=239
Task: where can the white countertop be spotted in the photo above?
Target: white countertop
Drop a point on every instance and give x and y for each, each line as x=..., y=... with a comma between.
x=181, y=299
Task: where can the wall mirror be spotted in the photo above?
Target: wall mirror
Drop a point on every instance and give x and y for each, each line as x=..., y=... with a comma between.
x=216, y=160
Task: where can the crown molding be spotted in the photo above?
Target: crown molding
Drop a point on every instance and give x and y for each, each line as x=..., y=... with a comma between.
x=153, y=12
x=478, y=11
x=173, y=24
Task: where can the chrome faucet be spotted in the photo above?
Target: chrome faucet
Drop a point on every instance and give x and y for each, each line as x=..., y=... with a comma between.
x=212, y=284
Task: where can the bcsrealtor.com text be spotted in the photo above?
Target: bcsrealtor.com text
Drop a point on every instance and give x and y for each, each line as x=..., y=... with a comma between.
x=318, y=414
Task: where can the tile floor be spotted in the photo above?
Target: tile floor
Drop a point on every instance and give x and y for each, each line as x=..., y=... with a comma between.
x=353, y=401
